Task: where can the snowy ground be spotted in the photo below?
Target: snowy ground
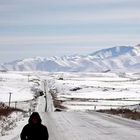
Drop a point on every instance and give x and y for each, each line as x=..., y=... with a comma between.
x=77, y=91
x=23, y=87
x=80, y=91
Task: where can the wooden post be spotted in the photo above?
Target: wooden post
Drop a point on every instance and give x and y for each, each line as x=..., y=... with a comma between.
x=9, y=98
x=15, y=104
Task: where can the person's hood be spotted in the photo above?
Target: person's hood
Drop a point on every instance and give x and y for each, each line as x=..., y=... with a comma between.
x=35, y=115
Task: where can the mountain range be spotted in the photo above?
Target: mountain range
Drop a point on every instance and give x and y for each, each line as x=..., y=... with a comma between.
x=120, y=58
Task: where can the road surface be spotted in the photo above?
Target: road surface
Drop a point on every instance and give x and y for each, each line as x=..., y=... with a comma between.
x=87, y=126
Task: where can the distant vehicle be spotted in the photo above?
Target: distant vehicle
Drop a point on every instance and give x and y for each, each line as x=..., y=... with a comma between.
x=38, y=93
x=41, y=93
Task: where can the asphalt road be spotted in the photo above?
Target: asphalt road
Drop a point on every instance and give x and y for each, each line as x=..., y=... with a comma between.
x=89, y=126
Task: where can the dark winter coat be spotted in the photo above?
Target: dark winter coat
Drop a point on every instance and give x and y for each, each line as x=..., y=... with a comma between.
x=33, y=131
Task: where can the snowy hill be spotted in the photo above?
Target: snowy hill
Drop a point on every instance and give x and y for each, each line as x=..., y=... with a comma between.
x=123, y=58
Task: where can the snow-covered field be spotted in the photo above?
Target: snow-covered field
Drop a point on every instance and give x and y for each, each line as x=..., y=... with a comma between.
x=90, y=91
x=17, y=84
x=76, y=91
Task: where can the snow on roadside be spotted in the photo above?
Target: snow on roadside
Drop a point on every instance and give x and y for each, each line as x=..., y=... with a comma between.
x=13, y=134
x=22, y=97
x=20, y=120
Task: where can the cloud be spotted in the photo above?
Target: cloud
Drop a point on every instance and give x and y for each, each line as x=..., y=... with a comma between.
x=72, y=18
x=71, y=23
x=73, y=39
x=35, y=13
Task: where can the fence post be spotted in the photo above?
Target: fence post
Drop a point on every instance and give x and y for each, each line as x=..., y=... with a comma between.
x=9, y=98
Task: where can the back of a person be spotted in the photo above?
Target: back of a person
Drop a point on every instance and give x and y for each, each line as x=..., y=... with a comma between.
x=34, y=130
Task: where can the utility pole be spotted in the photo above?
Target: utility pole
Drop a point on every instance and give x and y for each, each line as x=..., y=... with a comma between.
x=9, y=98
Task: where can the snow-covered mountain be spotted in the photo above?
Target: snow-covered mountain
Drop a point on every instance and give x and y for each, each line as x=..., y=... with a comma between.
x=122, y=58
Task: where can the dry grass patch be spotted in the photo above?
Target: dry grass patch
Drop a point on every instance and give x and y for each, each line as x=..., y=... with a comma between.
x=126, y=113
x=57, y=103
x=6, y=111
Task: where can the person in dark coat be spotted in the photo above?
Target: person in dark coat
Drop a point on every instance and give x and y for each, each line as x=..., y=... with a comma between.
x=34, y=130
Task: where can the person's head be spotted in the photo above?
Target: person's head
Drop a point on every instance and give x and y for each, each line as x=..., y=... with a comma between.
x=35, y=118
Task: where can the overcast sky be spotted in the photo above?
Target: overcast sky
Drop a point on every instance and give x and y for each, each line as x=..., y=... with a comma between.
x=30, y=28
